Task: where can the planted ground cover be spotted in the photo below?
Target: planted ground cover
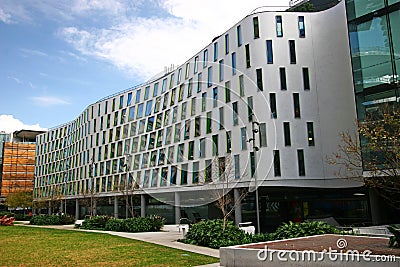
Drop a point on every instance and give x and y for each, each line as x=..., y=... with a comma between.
x=28, y=246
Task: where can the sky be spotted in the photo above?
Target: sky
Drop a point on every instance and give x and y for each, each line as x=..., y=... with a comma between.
x=58, y=57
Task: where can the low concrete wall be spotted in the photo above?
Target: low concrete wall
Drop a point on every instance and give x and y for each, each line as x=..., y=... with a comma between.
x=238, y=256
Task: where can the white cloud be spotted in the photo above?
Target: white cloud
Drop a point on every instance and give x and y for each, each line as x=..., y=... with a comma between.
x=33, y=52
x=10, y=124
x=5, y=17
x=49, y=101
x=144, y=46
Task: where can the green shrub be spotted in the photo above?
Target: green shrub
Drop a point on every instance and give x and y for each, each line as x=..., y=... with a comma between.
x=134, y=225
x=22, y=217
x=95, y=223
x=46, y=220
x=394, y=241
x=116, y=225
x=209, y=233
x=308, y=228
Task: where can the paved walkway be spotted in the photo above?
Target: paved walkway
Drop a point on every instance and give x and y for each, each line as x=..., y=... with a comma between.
x=167, y=237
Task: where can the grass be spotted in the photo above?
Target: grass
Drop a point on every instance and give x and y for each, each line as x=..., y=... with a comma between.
x=28, y=246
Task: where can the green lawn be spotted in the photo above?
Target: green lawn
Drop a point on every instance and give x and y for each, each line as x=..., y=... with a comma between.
x=28, y=246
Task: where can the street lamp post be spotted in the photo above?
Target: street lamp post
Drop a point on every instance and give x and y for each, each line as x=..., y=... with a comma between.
x=255, y=149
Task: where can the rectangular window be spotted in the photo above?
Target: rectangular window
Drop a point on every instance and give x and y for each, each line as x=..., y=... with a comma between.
x=241, y=85
x=256, y=29
x=263, y=134
x=187, y=69
x=310, y=134
x=296, y=104
x=272, y=105
x=259, y=79
x=208, y=122
x=279, y=28
x=239, y=35
x=235, y=113
x=202, y=148
x=165, y=101
x=226, y=43
x=157, y=104
x=197, y=124
x=215, y=96
x=177, y=136
x=247, y=54
x=164, y=85
x=150, y=124
x=215, y=51
x=196, y=62
x=190, y=88
x=227, y=92
x=180, y=153
x=236, y=165
x=183, y=111
x=137, y=100
x=199, y=82
x=282, y=75
x=243, y=138
x=208, y=171
x=186, y=135
x=146, y=92
x=174, y=171
x=250, y=108
x=195, y=178
x=302, y=28
x=306, y=79
x=270, y=54
x=286, y=133
x=178, y=80
x=155, y=89
x=121, y=101
x=180, y=93
x=171, y=80
x=129, y=101
x=172, y=100
x=184, y=174
x=228, y=142
x=168, y=133
x=139, y=112
x=174, y=114
x=300, y=162
x=221, y=118
x=220, y=70
x=205, y=58
x=149, y=106
x=131, y=114
x=277, y=163
x=209, y=77
x=233, y=58
x=191, y=150
x=215, y=144
x=203, y=101
x=193, y=107
x=292, y=50
x=252, y=164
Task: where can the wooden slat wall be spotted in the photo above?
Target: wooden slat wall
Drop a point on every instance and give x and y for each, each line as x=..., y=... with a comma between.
x=18, y=167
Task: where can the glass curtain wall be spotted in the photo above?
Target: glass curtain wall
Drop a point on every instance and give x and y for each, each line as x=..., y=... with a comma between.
x=375, y=49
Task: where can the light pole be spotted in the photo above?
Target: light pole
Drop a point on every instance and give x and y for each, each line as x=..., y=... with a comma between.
x=255, y=149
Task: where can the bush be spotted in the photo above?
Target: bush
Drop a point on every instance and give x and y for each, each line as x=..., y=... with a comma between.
x=308, y=228
x=22, y=217
x=95, y=223
x=116, y=225
x=394, y=241
x=51, y=220
x=209, y=233
x=134, y=225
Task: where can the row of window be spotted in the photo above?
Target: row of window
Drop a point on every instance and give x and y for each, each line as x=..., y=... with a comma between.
x=148, y=142
x=164, y=176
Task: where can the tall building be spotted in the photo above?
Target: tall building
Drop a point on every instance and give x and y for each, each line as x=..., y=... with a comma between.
x=374, y=37
x=17, y=161
x=269, y=96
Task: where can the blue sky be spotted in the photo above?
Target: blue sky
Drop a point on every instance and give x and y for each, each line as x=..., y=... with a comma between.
x=57, y=57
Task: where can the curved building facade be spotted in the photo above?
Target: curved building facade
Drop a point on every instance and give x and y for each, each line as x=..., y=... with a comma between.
x=268, y=98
